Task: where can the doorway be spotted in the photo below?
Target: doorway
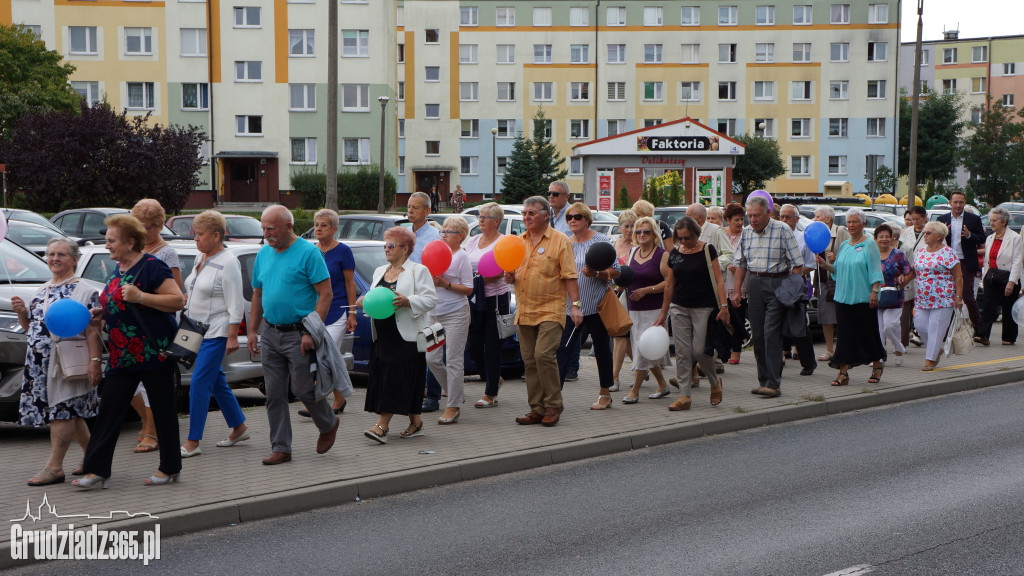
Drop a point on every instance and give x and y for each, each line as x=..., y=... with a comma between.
x=426, y=179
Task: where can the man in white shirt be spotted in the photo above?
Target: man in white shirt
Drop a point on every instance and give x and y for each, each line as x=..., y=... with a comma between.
x=558, y=197
x=965, y=235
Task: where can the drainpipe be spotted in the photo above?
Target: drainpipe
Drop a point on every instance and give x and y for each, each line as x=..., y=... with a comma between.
x=597, y=63
x=214, y=184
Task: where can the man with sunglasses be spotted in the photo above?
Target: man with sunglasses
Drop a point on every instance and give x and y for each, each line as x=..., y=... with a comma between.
x=558, y=197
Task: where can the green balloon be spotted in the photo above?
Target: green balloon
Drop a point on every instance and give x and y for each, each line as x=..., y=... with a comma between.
x=377, y=303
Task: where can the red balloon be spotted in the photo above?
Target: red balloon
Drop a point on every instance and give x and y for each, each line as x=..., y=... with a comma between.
x=437, y=257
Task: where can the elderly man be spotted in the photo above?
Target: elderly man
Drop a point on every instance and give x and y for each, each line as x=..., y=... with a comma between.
x=965, y=235
x=790, y=216
x=713, y=234
x=768, y=252
x=541, y=284
x=289, y=280
x=826, y=285
x=558, y=197
x=416, y=210
x=911, y=240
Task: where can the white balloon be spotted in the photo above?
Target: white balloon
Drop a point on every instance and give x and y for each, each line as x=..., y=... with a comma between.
x=1018, y=311
x=654, y=343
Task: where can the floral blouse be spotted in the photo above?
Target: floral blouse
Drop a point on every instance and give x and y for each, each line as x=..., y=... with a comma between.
x=935, y=286
x=129, y=347
x=892, y=267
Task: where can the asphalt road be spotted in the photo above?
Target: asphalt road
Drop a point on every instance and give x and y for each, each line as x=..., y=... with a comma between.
x=929, y=487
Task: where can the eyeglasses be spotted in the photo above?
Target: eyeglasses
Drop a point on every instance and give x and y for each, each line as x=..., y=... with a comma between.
x=684, y=238
x=531, y=213
x=555, y=194
x=788, y=216
x=447, y=232
x=571, y=217
x=642, y=232
x=390, y=246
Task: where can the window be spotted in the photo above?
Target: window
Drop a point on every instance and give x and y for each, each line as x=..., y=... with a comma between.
x=431, y=36
x=727, y=126
x=977, y=115
x=302, y=97
x=401, y=164
x=501, y=165
x=506, y=129
x=801, y=90
x=401, y=127
x=840, y=14
x=839, y=52
x=838, y=90
x=303, y=150
x=354, y=97
x=616, y=91
x=802, y=15
x=467, y=53
x=579, y=16
x=579, y=129
x=726, y=90
x=653, y=91
x=878, y=13
x=91, y=91
x=576, y=166
x=470, y=128
x=355, y=150
x=764, y=15
x=652, y=53
x=543, y=91
x=689, y=91
x=949, y=86
x=978, y=85
x=653, y=16
x=876, y=51
x=300, y=42
x=83, y=39
x=542, y=16
x=616, y=16
x=432, y=74
x=506, y=53
x=432, y=111
x=876, y=127
x=800, y=128
x=764, y=90
x=469, y=91
x=247, y=16
x=648, y=122
x=726, y=53
x=727, y=15
x=837, y=127
x=1009, y=68
x=506, y=91
x=924, y=87
x=764, y=52
x=193, y=42
x=35, y=29
x=542, y=53
x=1007, y=100
x=138, y=41
x=801, y=52
x=579, y=53
x=546, y=127
x=248, y=125
x=979, y=54
x=924, y=57
x=876, y=89
x=401, y=91
x=691, y=53
x=616, y=127
x=764, y=127
x=579, y=91
x=836, y=165
x=800, y=165
x=505, y=16
x=690, y=16
x=949, y=55
x=401, y=53
x=355, y=43
x=616, y=53
x=469, y=165
x=248, y=71
x=468, y=16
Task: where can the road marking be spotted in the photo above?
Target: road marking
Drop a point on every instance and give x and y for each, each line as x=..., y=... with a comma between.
x=985, y=363
x=857, y=570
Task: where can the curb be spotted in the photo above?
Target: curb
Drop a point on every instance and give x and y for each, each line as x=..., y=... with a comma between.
x=189, y=520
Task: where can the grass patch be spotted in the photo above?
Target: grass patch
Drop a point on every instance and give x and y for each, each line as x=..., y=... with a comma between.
x=867, y=390
x=740, y=410
x=813, y=397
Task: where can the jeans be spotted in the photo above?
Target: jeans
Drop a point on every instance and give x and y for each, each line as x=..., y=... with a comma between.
x=208, y=379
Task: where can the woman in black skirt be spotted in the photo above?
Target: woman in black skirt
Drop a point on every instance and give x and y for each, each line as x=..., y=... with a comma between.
x=397, y=369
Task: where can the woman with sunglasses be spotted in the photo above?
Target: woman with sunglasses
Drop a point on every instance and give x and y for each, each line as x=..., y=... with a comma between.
x=623, y=248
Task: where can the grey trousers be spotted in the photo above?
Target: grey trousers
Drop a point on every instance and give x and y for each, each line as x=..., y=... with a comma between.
x=284, y=362
x=689, y=331
x=765, y=313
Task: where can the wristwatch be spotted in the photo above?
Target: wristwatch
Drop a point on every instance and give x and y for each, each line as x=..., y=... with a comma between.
x=577, y=304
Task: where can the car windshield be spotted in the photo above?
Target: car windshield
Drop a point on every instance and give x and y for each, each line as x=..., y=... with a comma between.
x=31, y=217
x=32, y=235
x=22, y=266
x=244, y=227
x=368, y=259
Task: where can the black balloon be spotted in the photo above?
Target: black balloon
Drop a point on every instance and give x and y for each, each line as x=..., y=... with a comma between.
x=600, y=256
x=625, y=276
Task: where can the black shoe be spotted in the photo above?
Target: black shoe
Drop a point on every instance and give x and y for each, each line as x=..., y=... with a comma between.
x=429, y=406
x=572, y=377
x=305, y=413
x=807, y=372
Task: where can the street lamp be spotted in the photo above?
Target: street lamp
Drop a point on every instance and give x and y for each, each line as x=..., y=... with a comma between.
x=380, y=191
x=494, y=163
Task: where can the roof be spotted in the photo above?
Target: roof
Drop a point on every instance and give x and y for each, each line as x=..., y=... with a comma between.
x=661, y=128
x=245, y=154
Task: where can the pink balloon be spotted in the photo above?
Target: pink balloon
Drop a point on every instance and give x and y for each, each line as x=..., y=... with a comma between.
x=488, y=267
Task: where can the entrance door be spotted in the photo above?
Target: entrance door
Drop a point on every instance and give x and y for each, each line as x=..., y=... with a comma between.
x=243, y=180
x=425, y=179
x=709, y=187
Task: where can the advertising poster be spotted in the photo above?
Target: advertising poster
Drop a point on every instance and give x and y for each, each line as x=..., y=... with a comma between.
x=709, y=187
x=605, y=185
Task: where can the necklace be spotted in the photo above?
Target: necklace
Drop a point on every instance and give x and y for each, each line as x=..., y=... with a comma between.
x=121, y=272
x=331, y=247
x=642, y=257
x=688, y=249
x=62, y=282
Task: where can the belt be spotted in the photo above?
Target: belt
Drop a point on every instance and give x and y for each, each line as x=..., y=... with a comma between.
x=296, y=327
x=771, y=274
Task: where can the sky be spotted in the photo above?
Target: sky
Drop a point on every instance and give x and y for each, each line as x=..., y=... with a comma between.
x=974, y=18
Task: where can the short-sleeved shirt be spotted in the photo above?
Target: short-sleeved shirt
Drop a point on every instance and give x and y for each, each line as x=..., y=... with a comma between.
x=893, y=267
x=168, y=256
x=286, y=280
x=460, y=271
x=338, y=259
x=935, y=285
x=425, y=235
x=540, y=280
x=592, y=289
x=129, y=347
x=857, y=268
x=693, y=287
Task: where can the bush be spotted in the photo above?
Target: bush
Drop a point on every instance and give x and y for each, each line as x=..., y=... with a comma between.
x=358, y=189
x=624, y=202
x=311, y=186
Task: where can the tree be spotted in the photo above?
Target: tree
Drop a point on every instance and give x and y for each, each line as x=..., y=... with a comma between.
x=624, y=202
x=522, y=178
x=939, y=127
x=994, y=155
x=885, y=180
x=58, y=159
x=675, y=193
x=761, y=162
x=31, y=77
x=545, y=154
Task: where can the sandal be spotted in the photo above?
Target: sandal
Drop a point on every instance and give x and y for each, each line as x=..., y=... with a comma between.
x=680, y=405
x=716, y=395
x=825, y=356
x=601, y=404
x=382, y=437
x=876, y=375
x=928, y=366
x=80, y=471
x=481, y=403
x=412, y=431
x=47, y=477
x=142, y=447
x=842, y=379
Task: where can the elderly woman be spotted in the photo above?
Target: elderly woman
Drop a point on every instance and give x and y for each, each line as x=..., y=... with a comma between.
x=825, y=287
x=895, y=267
x=214, y=297
x=151, y=214
x=649, y=262
x=623, y=248
x=137, y=306
x=716, y=215
x=1000, y=278
x=48, y=396
x=733, y=228
x=593, y=285
x=452, y=311
x=484, y=341
x=692, y=299
x=858, y=273
x=939, y=290
x=397, y=368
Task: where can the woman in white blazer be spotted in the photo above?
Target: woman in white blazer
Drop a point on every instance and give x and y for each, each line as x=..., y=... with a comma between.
x=1000, y=278
x=397, y=368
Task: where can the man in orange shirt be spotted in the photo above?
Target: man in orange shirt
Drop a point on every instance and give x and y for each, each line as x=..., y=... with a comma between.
x=547, y=273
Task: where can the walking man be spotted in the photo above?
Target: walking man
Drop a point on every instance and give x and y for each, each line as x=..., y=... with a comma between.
x=965, y=235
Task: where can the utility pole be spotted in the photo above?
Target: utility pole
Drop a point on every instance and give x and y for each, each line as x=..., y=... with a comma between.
x=914, y=104
x=380, y=177
x=332, y=106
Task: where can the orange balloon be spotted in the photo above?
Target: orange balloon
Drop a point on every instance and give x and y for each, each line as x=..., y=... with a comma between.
x=509, y=252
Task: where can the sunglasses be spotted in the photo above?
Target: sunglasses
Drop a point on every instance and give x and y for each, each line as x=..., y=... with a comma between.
x=555, y=194
x=571, y=217
x=390, y=246
x=642, y=232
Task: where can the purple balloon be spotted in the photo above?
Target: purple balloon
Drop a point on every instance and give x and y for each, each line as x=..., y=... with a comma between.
x=766, y=196
x=488, y=267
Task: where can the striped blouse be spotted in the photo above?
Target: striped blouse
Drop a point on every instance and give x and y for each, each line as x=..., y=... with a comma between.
x=591, y=289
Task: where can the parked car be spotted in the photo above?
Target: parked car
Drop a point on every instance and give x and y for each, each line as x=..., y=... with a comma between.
x=440, y=218
x=19, y=215
x=874, y=219
x=240, y=228
x=510, y=224
x=88, y=222
x=364, y=226
x=1016, y=222
x=33, y=236
x=508, y=208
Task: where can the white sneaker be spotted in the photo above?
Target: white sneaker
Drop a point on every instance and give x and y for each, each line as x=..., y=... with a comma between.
x=899, y=360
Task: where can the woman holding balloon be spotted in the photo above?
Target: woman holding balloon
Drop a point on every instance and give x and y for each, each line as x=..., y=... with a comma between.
x=48, y=396
x=399, y=304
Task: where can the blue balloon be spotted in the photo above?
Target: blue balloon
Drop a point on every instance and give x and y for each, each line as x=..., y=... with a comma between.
x=817, y=236
x=66, y=318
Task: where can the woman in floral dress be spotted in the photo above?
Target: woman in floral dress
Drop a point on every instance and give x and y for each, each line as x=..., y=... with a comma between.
x=939, y=290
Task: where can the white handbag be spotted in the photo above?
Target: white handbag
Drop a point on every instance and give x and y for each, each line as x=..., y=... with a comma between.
x=430, y=338
x=958, y=338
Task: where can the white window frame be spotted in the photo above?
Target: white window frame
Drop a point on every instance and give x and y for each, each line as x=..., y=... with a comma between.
x=949, y=56
x=401, y=127
x=978, y=85
x=248, y=71
x=657, y=91
x=547, y=128
x=579, y=54
x=1008, y=101
x=543, y=91
x=690, y=53
x=800, y=128
x=801, y=52
x=469, y=91
x=400, y=91
x=876, y=125
x=505, y=16
x=619, y=126
x=432, y=32
x=542, y=16
x=844, y=51
x=841, y=127
x=1009, y=68
x=401, y=165
x=979, y=54
x=431, y=73
x=87, y=89
x=500, y=165
x=619, y=50
x=145, y=39
x=925, y=57
x=542, y=53
x=949, y=86
x=579, y=16
x=355, y=43
x=308, y=151
x=362, y=151
x=432, y=111
x=764, y=52
x=691, y=88
x=768, y=12
x=730, y=88
x=801, y=90
x=193, y=39
x=242, y=121
x=616, y=91
x=840, y=165
x=769, y=127
x=306, y=38
x=689, y=16
x=302, y=97
x=730, y=126
x=509, y=89
x=243, y=15
x=654, y=16
x=977, y=115
x=506, y=128
x=506, y=50
x=730, y=54
x=878, y=13
x=91, y=40
x=579, y=91
x=469, y=16
x=355, y=97
x=803, y=15
x=873, y=51
x=468, y=54
x=615, y=16
x=649, y=122
x=839, y=14
x=473, y=128
x=804, y=168
x=581, y=127
x=473, y=168
x=576, y=166
x=879, y=89
x=653, y=53
x=839, y=90
x=728, y=15
x=764, y=90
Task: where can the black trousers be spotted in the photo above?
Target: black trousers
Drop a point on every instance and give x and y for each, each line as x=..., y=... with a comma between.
x=484, y=342
x=738, y=317
x=992, y=298
x=602, y=347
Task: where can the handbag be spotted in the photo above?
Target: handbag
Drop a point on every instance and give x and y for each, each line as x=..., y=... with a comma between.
x=889, y=297
x=184, y=347
x=958, y=338
x=478, y=299
x=73, y=358
x=430, y=338
x=997, y=276
x=718, y=338
x=614, y=315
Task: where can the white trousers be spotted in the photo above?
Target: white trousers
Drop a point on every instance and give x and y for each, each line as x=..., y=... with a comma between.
x=889, y=327
x=932, y=324
x=451, y=377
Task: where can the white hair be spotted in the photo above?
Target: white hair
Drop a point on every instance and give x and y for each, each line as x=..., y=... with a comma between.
x=858, y=213
x=286, y=214
x=826, y=212
x=758, y=201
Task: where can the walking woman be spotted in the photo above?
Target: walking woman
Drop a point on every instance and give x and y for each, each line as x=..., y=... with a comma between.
x=623, y=248
x=1000, y=278
x=484, y=341
x=895, y=267
x=48, y=396
x=939, y=290
x=733, y=215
